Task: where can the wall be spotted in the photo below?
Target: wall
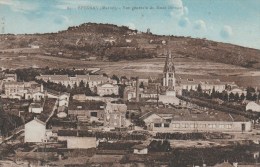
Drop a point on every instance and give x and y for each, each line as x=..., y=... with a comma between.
x=205, y=126
x=81, y=142
x=143, y=151
x=34, y=132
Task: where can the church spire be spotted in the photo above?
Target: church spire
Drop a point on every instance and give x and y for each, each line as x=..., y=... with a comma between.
x=169, y=66
x=169, y=72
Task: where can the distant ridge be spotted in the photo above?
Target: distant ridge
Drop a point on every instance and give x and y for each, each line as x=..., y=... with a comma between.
x=107, y=42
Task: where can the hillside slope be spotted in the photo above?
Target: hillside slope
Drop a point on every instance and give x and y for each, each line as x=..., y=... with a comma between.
x=107, y=42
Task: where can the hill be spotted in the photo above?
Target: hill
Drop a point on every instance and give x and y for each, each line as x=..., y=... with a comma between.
x=106, y=42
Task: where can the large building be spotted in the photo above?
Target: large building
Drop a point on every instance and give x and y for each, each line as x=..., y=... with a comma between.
x=107, y=89
x=193, y=120
x=91, y=80
x=207, y=85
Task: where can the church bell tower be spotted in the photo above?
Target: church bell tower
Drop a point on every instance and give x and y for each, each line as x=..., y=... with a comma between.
x=169, y=72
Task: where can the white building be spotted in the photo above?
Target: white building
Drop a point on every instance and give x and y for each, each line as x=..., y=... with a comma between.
x=107, y=89
x=253, y=106
x=74, y=142
x=140, y=149
x=237, y=91
x=35, y=108
x=187, y=120
x=91, y=80
x=35, y=131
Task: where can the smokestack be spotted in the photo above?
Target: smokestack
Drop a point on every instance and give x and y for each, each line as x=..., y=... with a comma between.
x=137, y=89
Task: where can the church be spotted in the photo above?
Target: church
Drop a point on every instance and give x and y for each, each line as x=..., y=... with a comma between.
x=169, y=89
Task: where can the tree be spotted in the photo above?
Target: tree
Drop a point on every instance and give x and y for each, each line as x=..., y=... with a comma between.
x=236, y=98
x=231, y=96
x=114, y=77
x=248, y=95
x=141, y=85
x=242, y=97
x=82, y=84
x=199, y=89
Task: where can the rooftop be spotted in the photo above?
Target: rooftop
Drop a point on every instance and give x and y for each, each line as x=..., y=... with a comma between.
x=192, y=114
x=86, y=105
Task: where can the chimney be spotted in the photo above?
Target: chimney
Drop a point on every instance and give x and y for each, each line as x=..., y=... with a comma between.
x=137, y=89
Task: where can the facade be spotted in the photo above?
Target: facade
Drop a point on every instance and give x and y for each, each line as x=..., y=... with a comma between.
x=91, y=80
x=207, y=85
x=84, y=112
x=115, y=115
x=10, y=78
x=35, y=131
x=237, y=91
x=21, y=89
x=74, y=142
x=36, y=108
x=35, y=96
x=253, y=106
x=107, y=89
x=184, y=120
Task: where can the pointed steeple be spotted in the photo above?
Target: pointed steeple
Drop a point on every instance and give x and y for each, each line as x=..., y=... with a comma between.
x=169, y=66
x=169, y=72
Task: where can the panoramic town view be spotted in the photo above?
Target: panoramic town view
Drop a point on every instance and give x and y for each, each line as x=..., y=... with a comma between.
x=80, y=88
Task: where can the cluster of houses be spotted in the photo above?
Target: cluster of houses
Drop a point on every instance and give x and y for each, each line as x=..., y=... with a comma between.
x=162, y=112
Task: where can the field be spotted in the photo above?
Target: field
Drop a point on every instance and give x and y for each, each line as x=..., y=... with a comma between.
x=185, y=67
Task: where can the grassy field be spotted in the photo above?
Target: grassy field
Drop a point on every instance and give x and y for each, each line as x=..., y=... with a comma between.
x=185, y=67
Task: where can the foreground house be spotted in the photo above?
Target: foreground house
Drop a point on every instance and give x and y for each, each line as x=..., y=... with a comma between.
x=193, y=120
x=35, y=131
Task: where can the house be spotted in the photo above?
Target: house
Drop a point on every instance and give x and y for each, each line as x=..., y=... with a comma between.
x=35, y=131
x=225, y=164
x=77, y=139
x=35, y=108
x=193, y=120
x=237, y=91
x=35, y=96
x=253, y=106
x=10, y=77
x=64, y=99
x=86, y=110
x=140, y=149
x=20, y=89
x=107, y=89
x=115, y=115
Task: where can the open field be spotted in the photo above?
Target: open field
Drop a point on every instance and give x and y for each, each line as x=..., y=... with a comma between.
x=185, y=67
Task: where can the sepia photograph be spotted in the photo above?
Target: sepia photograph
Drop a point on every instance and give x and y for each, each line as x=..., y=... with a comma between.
x=129, y=83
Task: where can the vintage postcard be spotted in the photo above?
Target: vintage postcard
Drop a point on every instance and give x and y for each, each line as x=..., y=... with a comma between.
x=129, y=83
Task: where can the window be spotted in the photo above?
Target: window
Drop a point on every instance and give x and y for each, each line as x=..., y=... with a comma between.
x=166, y=125
x=157, y=125
x=176, y=125
x=221, y=126
x=93, y=114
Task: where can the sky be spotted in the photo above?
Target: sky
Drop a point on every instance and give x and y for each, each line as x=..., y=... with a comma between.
x=229, y=21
